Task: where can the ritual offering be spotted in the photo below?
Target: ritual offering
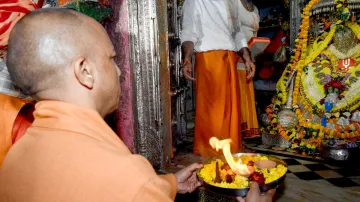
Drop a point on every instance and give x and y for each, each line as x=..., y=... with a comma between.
x=232, y=174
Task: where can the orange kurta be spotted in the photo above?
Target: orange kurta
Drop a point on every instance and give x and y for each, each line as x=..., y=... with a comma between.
x=217, y=101
x=70, y=154
x=9, y=109
x=249, y=121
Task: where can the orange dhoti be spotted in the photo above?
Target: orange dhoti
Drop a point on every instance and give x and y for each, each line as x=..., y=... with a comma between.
x=249, y=121
x=217, y=101
x=9, y=109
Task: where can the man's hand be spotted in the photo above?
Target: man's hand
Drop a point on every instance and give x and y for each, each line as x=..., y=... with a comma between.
x=254, y=194
x=250, y=67
x=187, y=69
x=187, y=180
x=188, y=48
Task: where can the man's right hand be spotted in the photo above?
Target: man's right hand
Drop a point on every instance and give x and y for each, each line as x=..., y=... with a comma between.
x=254, y=194
x=187, y=69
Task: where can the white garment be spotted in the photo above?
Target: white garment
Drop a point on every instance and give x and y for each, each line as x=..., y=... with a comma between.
x=249, y=21
x=250, y=26
x=206, y=24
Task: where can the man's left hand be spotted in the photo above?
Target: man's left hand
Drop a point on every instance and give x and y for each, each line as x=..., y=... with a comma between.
x=187, y=180
x=250, y=67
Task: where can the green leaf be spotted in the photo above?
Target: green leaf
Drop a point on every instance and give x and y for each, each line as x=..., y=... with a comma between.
x=92, y=9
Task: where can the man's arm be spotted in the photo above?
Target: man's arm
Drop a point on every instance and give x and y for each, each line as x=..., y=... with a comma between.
x=188, y=49
x=244, y=52
x=158, y=189
x=189, y=35
x=190, y=21
x=250, y=66
x=151, y=192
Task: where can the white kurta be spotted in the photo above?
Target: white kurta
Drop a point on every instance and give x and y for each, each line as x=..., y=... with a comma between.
x=249, y=24
x=206, y=24
x=249, y=21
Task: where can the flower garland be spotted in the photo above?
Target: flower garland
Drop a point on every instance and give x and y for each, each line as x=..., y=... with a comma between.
x=316, y=51
x=312, y=134
x=350, y=100
x=301, y=46
x=340, y=55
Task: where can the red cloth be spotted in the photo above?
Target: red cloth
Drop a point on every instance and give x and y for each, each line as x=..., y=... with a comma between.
x=22, y=122
x=12, y=11
x=275, y=42
x=266, y=72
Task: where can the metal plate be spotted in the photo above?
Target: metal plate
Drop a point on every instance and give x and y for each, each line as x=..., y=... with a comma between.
x=242, y=192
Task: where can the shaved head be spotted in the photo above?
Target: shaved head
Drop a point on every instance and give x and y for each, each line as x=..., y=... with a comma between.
x=35, y=45
x=56, y=52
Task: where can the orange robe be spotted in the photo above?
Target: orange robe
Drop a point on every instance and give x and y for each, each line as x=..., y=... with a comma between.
x=249, y=121
x=70, y=154
x=217, y=101
x=9, y=109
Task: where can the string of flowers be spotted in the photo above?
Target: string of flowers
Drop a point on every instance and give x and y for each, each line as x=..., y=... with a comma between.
x=308, y=135
x=300, y=50
x=315, y=52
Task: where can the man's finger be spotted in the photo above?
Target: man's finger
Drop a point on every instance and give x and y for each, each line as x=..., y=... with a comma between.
x=271, y=192
x=240, y=199
x=254, y=187
x=250, y=75
x=194, y=167
x=188, y=77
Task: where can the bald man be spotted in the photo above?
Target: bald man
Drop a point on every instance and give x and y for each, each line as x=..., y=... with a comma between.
x=70, y=154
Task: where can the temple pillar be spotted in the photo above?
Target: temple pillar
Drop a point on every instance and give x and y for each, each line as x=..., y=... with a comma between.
x=139, y=31
x=118, y=30
x=150, y=82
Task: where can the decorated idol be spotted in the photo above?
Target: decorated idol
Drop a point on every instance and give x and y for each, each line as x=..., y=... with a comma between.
x=323, y=103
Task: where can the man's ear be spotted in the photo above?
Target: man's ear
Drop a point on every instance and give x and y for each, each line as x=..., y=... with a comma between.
x=83, y=72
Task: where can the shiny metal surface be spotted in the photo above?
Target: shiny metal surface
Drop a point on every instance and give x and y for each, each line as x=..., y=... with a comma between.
x=150, y=74
x=178, y=83
x=295, y=20
x=343, y=154
x=326, y=6
x=243, y=192
x=274, y=141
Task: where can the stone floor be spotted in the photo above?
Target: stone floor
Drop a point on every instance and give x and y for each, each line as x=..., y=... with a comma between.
x=306, y=180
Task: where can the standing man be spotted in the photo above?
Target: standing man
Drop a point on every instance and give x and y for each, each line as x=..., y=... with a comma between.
x=249, y=17
x=213, y=29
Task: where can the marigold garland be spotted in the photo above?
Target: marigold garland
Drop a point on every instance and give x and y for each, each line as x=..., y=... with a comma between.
x=301, y=58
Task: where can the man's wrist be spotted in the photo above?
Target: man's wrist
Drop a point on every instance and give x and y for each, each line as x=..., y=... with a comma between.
x=186, y=62
x=245, y=54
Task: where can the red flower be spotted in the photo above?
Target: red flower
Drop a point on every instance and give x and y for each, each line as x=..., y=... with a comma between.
x=257, y=177
x=326, y=87
x=335, y=84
